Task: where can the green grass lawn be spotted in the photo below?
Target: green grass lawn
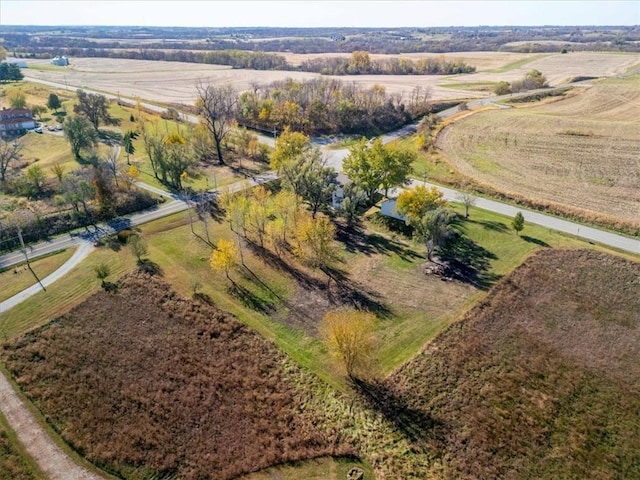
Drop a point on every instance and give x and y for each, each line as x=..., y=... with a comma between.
x=15, y=279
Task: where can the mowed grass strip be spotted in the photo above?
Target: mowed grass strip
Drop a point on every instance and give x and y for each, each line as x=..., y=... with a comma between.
x=579, y=151
x=15, y=279
x=540, y=380
x=64, y=294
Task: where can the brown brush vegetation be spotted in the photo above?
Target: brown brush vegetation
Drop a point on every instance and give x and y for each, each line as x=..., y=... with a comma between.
x=574, y=154
x=142, y=380
x=12, y=463
x=540, y=380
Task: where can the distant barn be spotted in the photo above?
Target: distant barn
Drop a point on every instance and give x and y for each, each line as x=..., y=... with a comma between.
x=60, y=61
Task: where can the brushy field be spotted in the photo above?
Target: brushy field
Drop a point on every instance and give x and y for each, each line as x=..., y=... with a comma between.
x=142, y=380
x=580, y=151
x=541, y=380
x=14, y=464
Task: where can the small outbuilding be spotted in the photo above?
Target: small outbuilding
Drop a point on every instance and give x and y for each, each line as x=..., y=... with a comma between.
x=60, y=61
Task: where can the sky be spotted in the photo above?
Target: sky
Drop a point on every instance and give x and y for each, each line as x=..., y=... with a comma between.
x=326, y=13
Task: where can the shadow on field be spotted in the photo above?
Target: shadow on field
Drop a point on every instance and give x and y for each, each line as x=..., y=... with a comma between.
x=417, y=426
x=250, y=300
x=353, y=294
x=491, y=225
x=469, y=262
x=356, y=240
x=537, y=241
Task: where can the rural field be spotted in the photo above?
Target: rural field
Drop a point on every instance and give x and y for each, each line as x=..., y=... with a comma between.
x=540, y=380
x=148, y=379
x=174, y=82
x=580, y=150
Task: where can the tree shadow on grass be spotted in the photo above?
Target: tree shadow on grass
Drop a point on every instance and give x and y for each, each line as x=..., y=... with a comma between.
x=537, y=241
x=469, y=262
x=250, y=300
x=356, y=295
x=356, y=240
x=490, y=225
x=417, y=426
x=345, y=292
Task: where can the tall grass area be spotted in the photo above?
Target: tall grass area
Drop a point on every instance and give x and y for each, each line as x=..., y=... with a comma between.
x=15, y=464
x=15, y=279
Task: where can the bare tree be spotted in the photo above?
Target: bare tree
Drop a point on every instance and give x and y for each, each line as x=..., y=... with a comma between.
x=112, y=163
x=9, y=152
x=217, y=106
x=468, y=201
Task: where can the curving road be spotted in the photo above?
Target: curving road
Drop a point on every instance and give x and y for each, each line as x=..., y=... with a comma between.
x=51, y=459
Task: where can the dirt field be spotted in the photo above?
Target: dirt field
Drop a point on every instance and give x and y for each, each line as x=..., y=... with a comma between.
x=144, y=381
x=559, y=68
x=580, y=151
x=174, y=82
x=541, y=380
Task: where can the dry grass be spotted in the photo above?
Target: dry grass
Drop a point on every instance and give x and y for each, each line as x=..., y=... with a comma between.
x=142, y=380
x=541, y=380
x=580, y=151
x=14, y=463
x=174, y=82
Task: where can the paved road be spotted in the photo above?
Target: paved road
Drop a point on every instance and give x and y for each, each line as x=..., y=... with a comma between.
x=84, y=249
x=92, y=233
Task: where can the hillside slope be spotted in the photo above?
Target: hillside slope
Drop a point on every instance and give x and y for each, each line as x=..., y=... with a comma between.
x=541, y=380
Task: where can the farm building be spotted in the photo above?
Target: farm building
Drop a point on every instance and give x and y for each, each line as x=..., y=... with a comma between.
x=60, y=61
x=14, y=121
x=388, y=206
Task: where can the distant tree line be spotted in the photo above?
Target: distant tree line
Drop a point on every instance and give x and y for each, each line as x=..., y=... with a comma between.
x=324, y=40
x=360, y=63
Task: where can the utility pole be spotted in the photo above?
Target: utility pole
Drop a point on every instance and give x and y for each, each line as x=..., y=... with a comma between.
x=26, y=257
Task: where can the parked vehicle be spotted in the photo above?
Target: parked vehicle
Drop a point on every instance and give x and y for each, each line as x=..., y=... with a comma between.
x=38, y=129
x=58, y=127
x=51, y=128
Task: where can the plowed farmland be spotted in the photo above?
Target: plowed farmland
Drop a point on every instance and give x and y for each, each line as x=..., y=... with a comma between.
x=541, y=380
x=582, y=151
x=146, y=383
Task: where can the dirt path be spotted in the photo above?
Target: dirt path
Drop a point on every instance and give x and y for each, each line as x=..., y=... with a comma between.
x=56, y=464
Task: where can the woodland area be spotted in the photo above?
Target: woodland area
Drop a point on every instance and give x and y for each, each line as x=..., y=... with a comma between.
x=98, y=41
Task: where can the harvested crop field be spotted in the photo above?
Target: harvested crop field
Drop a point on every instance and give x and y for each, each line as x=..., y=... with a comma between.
x=582, y=151
x=541, y=380
x=143, y=383
x=174, y=82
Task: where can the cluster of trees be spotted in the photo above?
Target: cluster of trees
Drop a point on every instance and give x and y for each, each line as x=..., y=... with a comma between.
x=279, y=223
x=10, y=73
x=426, y=211
x=326, y=106
x=360, y=63
x=531, y=81
x=82, y=197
